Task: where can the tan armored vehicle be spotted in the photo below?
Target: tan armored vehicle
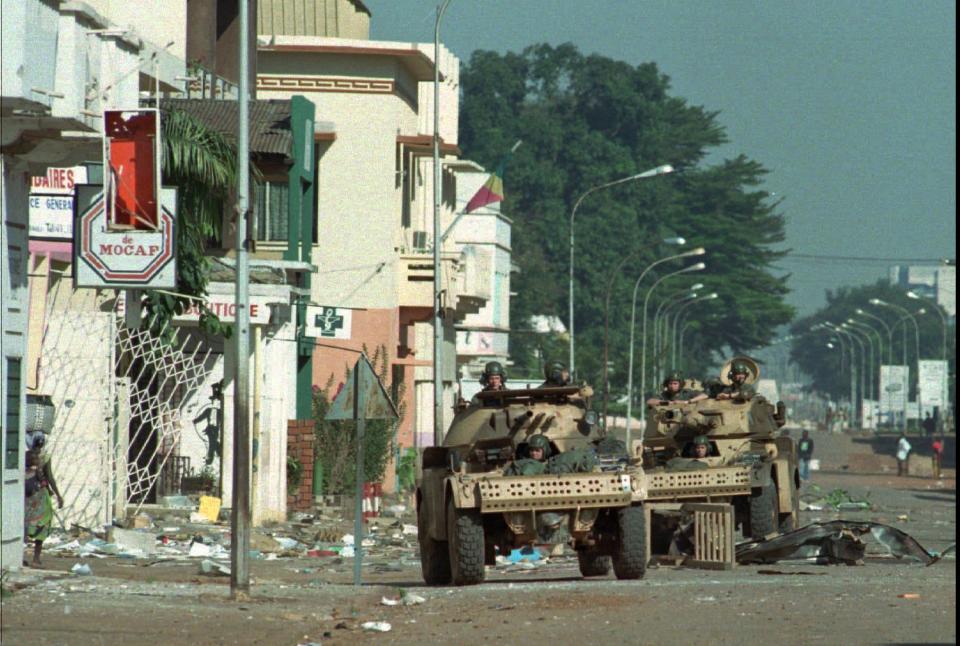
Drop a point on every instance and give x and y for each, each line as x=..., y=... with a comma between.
x=748, y=464
x=470, y=505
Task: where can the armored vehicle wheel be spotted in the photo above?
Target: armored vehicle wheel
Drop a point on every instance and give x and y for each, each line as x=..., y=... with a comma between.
x=434, y=561
x=788, y=521
x=630, y=557
x=764, y=511
x=592, y=563
x=465, y=544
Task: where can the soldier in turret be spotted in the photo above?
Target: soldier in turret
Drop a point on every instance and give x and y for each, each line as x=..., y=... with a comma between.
x=737, y=388
x=673, y=391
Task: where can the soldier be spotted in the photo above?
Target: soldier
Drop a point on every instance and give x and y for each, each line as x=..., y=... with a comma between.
x=701, y=446
x=556, y=374
x=493, y=377
x=673, y=391
x=738, y=388
x=538, y=447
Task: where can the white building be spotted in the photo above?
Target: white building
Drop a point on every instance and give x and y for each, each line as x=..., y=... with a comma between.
x=375, y=196
x=63, y=64
x=936, y=282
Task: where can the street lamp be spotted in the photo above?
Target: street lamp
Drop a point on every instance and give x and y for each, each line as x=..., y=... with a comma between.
x=699, y=251
x=854, y=372
x=874, y=356
x=886, y=327
x=653, y=172
x=943, y=321
x=680, y=335
x=679, y=241
x=664, y=307
x=437, y=304
x=633, y=311
x=676, y=319
x=854, y=334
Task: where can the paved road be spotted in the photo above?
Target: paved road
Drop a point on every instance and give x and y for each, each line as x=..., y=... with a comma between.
x=795, y=603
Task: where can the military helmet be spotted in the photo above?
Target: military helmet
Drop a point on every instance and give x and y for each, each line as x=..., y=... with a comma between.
x=490, y=369
x=738, y=368
x=553, y=373
x=539, y=441
x=701, y=439
x=674, y=375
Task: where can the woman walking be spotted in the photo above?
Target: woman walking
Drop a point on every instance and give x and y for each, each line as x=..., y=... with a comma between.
x=38, y=516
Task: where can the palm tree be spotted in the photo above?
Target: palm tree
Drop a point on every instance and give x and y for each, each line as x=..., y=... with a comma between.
x=202, y=164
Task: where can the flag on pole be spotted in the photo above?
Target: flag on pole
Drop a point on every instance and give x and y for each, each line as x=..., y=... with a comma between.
x=492, y=189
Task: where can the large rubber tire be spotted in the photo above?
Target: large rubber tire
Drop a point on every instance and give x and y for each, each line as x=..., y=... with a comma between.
x=592, y=563
x=630, y=556
x=434, y=560
x=465, y=545
x=764, y=512
x=790, y=521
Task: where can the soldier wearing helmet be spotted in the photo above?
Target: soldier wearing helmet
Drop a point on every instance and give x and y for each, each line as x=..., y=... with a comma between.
x=701, y=447
x=673, y=391
x=493, y=377
x=738, y=388
x=538, y=447
x=555, y=374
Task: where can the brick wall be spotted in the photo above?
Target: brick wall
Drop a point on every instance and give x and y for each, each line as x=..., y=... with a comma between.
x=300, y=445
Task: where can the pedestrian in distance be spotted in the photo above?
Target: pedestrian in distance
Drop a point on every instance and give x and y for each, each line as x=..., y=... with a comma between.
x=929, y=425
x=805, y=451
x=903, y=455
x=937, y=456
x=38, y=509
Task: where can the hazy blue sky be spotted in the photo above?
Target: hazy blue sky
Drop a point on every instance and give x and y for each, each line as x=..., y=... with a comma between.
x=851, y=105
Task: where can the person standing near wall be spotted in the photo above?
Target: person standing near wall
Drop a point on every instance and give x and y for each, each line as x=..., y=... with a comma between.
x=38, y=510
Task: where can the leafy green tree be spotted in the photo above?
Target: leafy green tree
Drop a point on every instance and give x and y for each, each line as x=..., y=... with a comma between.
x=586, y=120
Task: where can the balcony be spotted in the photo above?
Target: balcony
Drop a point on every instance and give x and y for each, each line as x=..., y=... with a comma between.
x=464, y=291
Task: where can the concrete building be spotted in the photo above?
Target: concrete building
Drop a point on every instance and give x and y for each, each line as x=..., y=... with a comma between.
x=936, y=282
x=483, y=236
x=63, y=64
x=375, y=195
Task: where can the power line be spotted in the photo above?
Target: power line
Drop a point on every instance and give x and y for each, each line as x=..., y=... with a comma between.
x=808, y=256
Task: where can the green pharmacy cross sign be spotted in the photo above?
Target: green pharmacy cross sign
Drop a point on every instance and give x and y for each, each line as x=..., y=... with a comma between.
x=328, y=322
x=362, y=397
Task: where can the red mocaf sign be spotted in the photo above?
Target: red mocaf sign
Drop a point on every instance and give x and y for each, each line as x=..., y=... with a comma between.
x=127, y=258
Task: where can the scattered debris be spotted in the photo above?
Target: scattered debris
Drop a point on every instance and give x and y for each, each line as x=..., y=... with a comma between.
x=210, y=508
x=838, y=541
x=212, y=568
x=376, y=626
x=908, y=595
x=81, y=569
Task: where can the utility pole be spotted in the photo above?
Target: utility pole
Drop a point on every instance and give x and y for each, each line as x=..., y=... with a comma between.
x=240, y=498
x=437, y=241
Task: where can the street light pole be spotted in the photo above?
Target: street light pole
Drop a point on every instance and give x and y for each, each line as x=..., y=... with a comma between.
x=679, y=241
x=699, y=251
x=240, y=494
x=865, y=330
x=665, y=305
x=437, y=242
x=676, y=320
x=886, y=327
x=906, y=395
x=943, y=321
x=849, y=330
x=643, y=351
x=653, y=172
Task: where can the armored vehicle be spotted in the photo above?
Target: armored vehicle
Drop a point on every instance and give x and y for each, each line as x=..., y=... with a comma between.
x=748, y=464
x=482, y=493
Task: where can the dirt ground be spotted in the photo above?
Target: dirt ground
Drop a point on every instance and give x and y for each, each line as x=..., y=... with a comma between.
x=310, y=599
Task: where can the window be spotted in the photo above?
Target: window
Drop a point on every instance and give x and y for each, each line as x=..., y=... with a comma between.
x=271, y=204
x=12, y=422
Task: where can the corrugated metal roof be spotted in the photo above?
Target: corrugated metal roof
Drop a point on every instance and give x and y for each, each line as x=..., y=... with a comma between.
x=269, y=121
